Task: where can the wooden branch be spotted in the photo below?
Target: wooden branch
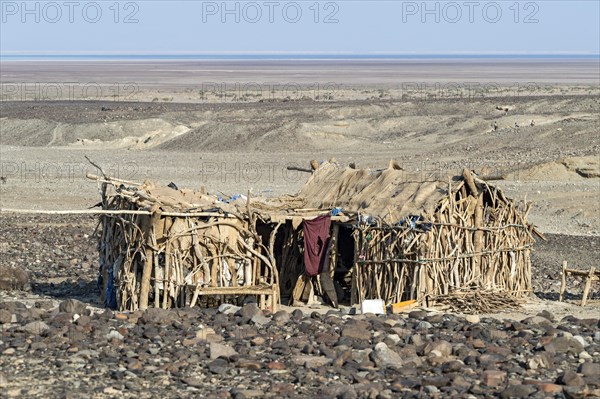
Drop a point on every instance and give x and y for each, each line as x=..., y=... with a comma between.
x=114, y=212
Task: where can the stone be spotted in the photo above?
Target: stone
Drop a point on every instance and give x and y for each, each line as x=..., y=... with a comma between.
x=297, y=315
x=577, y=392
x=416, y=339
x=157, y=316
x=121, y=316
x=247, y=393
x=581, y=340
x=452, y=366
x=547, y=315
x=565, y=344
x=417, y=314
x=357, y=330
x=339, y=391
x=221, y=351
x=424, y=325
x=384, y=356
x=493, y=378
x=260, y=320
x=114, y=334
x=518, y=391
x=442, y=347
x=249, y=310
x=472, y=318
x=14, y=393
x=537, y=320
x=309, y=361
x=35, y=327
x=249, y=364
x=585, y=356
x=283, y=389
x=275, y=365
x=281, y=317
x=3, y=380
x=541, y=360
x=218, y=366
x=361, y=355
x=570, y=378
x=72, y=306
x=394, y=338
x=544, y=386
x=193, y=382
x=227, y=308
x=589, y=369
x=5, y=316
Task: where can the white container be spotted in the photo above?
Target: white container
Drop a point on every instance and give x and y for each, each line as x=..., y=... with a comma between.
x=375, y=306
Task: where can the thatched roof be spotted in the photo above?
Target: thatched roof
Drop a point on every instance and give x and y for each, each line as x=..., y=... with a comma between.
x=149, y=195
x=389, y=194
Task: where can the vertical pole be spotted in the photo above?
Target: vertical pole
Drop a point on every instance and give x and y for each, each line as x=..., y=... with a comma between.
x=588, y=283
x=563, y=282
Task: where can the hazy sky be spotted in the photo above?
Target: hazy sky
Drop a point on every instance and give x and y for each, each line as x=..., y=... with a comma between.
x=66, y=26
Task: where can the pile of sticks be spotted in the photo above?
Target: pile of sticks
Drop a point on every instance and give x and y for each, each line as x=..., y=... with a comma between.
x=474, y=301
x=475, y=238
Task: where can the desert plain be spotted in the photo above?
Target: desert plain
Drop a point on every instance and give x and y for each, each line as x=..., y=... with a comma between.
x=236, y=127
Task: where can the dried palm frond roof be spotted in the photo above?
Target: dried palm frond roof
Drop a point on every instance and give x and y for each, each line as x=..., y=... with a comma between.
x=389, y=194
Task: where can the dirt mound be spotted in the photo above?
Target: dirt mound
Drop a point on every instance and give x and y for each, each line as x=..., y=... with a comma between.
x=584, y=166
x=136, y=133
x=567, y=169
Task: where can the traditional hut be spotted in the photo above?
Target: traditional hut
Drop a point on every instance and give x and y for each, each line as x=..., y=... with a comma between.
x=166, y=247
x=349, y=234
x=396, y=238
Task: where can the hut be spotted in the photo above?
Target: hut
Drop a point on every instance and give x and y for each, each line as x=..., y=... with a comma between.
x=165, y=247
x=349, y=234
x=397, y=238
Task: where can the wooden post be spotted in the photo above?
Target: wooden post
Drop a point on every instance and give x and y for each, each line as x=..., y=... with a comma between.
x=588, y=283
x=333, y=248
x=563, y=282
x=148, y=263
x=478, y=243
x=145, y=283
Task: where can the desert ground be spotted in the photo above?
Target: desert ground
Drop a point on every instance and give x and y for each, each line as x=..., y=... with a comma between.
x=236, y=127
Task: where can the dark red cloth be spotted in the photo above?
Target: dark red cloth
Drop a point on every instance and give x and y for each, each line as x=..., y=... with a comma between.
x=316, y=237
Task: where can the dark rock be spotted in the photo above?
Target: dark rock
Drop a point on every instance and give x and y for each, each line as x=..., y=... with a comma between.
x=493, y=378
x=570, y=378
x=357, y=330
x=5, y=316
x=341, y=391
x=218, y=366
x=565, y=345
x=72, y=306
x=384, y=356
x=297, y=315
x=518, y=391
x=281, y=317
x=547, y=315
x=221, y=350
x=417, y=314
x=589, y=369
x=249, y=310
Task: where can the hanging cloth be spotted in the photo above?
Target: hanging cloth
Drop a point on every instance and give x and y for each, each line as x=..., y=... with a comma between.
x=316, y=239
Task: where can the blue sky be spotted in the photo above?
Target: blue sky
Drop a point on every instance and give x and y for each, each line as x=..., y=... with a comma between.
x=414, y=27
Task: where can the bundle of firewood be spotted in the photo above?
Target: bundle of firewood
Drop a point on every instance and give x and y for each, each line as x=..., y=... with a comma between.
x=477, y=301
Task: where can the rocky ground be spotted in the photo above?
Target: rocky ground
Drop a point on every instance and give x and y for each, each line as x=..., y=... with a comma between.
x=53, y=345
x=57, y=341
